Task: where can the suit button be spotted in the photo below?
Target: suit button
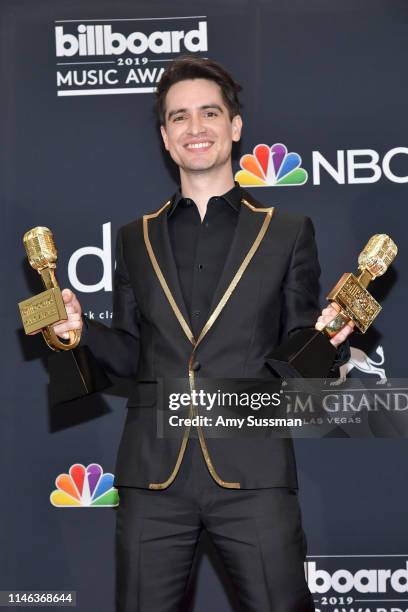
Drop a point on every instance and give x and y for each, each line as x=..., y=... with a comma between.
x=196, y=366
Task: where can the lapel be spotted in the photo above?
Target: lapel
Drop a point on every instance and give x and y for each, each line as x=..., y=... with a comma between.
x=253, y=221
x=250, y=221
x=157, y=241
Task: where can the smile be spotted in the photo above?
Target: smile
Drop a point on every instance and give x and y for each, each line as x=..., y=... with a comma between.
x=199, y=145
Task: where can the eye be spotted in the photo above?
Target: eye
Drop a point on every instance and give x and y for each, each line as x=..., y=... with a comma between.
x=211, y=113
x=178, y=118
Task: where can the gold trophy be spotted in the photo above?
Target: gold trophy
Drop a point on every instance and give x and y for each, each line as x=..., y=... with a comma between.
x=40, y=312
x=73, y=369
x=309, y=353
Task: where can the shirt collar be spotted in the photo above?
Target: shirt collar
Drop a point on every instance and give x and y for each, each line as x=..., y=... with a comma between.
x=233, y=197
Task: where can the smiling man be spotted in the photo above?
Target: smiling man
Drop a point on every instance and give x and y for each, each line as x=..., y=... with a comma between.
x=205, y=287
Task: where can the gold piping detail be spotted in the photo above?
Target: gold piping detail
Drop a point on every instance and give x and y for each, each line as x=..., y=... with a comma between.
x=182, y=450
x=160, y=276
x=217, y=310
x=270, y=209
x=163, y=485
x=203, y=444
x=213, y=317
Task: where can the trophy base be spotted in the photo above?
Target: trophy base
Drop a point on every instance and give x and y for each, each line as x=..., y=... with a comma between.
x=306, y=354
x=75, y=374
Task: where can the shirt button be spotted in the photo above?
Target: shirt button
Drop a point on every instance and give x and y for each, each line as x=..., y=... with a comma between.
x=196, y=366
x=200, y=266
x=196, y=313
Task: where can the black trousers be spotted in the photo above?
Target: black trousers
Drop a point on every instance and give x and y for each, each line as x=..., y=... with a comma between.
x=257, y=532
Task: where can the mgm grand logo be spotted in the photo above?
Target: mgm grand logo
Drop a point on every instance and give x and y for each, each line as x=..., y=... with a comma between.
x=122, y=55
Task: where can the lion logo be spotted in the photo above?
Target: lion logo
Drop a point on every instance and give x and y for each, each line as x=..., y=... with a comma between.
x=360, y=360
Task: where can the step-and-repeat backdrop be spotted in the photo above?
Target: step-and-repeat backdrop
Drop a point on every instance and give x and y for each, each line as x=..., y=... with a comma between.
x=81, y=154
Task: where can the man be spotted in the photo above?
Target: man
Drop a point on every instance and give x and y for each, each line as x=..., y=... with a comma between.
x=205, y=287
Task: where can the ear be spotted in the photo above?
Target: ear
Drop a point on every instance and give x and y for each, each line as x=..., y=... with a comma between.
x=164, y=136
x=236, y=128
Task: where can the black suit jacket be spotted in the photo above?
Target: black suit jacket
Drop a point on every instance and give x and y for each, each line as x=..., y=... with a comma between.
x=267, y=290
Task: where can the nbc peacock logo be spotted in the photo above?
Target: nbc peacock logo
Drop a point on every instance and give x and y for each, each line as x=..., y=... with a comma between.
x=85, y=487
x=271, y=167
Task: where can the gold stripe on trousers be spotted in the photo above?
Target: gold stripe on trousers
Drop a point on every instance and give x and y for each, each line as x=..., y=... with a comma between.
x=186, y=328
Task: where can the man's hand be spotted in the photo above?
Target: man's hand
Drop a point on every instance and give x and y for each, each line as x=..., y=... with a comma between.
x=74, y=312
x=328, y=314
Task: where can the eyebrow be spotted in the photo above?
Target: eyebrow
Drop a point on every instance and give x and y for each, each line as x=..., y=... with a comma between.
x=204, y=107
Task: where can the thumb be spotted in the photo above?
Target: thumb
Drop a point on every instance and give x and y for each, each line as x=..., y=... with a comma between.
x=67, y=296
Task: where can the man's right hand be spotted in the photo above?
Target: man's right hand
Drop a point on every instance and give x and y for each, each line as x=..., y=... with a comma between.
x=74, y=312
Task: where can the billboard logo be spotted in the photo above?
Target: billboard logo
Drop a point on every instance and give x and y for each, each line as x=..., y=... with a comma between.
x=122, y=55
x=101, y=40
x=362, y=580
x=271, y=167
x=352, y=583
x=85, y=487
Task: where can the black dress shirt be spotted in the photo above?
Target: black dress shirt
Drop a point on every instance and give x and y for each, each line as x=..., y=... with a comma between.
x=200, y=248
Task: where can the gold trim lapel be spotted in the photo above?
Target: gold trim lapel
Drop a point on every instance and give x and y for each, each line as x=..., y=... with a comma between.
x=243, y=242
x=247, y=224
x=168, y=260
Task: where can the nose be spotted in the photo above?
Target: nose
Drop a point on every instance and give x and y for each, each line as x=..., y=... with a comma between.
x=195, y=125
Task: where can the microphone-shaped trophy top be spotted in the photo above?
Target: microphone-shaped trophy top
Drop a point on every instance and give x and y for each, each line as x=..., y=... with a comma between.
x=377, y=255
x=40, y=247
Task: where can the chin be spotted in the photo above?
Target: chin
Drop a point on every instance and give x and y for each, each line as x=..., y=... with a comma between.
x=199, y=166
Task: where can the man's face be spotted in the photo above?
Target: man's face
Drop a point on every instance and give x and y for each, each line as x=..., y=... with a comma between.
x=198, y=132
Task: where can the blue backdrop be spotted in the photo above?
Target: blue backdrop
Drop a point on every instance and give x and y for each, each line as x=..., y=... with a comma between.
x=81, y=154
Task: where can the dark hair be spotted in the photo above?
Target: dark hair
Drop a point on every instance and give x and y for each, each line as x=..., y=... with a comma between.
x=192, y=67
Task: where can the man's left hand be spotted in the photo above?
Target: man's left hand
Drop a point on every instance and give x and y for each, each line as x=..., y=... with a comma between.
x=328, y=314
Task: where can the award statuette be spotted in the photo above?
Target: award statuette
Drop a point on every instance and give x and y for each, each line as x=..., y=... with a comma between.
x=309, y=353
x=72, y=368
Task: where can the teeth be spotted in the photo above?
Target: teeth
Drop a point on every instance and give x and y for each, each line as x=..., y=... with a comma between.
x=198, y=145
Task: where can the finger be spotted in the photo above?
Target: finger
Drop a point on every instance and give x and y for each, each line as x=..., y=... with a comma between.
x=62, y=328
x=71, y=301
x=323, y=320
x=335, y=306
x=67, y=296
x=342, y=335
x=320, y=323
x=330, y=312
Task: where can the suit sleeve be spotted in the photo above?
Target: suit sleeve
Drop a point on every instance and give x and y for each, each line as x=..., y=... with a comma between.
x=116, y=348
x=300, y=291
